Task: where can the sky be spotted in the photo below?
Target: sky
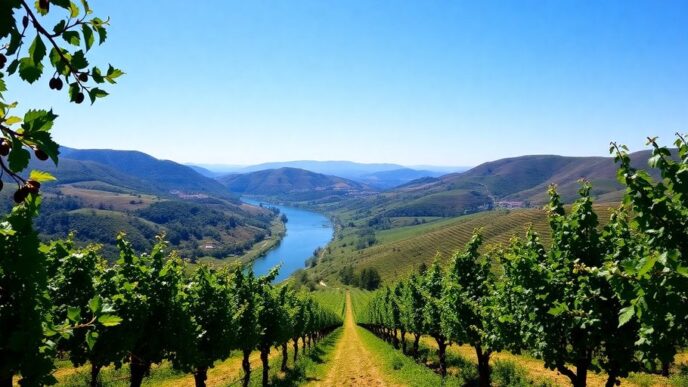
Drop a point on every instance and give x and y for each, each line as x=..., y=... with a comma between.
x=412, y=82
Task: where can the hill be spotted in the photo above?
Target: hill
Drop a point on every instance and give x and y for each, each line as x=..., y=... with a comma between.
x=96, y=197
x=397, y=251
x=518, y=182
x=294, y=185
x=167, y=177
x=395, y=177
x=379, y=175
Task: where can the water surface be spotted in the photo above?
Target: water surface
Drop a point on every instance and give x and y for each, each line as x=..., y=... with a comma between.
x=306, y=231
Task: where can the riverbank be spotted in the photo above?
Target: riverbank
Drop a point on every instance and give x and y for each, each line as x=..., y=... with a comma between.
x=278, y=230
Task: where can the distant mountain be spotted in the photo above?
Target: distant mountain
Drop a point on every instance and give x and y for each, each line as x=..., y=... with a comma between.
x=166, y=176
x=512, y=182
x=396, y=177
x=345, y=169
x=293, y=184
x=379, y=175
x=205, y=172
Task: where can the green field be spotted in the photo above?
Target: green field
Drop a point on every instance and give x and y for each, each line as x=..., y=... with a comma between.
x=399, y=251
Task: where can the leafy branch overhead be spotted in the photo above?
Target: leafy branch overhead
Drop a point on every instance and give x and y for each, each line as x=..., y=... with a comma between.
x=62, y=54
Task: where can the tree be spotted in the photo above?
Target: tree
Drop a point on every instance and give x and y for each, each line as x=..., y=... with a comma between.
x=567, y=313
x=405, y=316
x=272, y=326
x=75, y=276
x=433, y=291
x=24, y=306
x=247, y=289
x=211, y=306
x=369, y=279
x=468, y=302
x=653, y=281
x=152, y=311
x=415, y=304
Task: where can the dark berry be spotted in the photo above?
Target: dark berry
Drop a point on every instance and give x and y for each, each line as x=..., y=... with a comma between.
x=21, y=194
x=79, y=98
x=44, y=5
x=5, y=147
x=3, y=60
x=40, y=154
x=56, y=84
x=25, y=21
x=83, y=77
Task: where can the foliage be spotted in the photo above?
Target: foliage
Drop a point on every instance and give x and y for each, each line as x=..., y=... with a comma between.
x=25, y=312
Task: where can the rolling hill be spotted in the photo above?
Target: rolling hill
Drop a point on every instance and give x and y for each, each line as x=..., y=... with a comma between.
x=294, y=185
x=98, y=195
x=380, y=175
x=165, y=176
x=512, y=183
x=398, y=251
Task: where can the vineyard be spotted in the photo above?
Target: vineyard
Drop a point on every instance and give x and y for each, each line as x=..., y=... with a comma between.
x=598, y=303
x=399, y=251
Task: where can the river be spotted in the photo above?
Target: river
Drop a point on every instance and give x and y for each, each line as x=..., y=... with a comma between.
x=306, y=231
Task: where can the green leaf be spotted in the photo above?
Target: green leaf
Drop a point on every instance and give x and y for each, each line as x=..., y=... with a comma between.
x=44, y=141
x=73, y=313
x=113, y=74
x=74, y=89
x=73, y=9
x=12, y=68
x=15, y=43
x=102, y=35
x=30, y=71
x=95, y=304
x=626, y=314
x=18, y=157
x=38, y=120
x=72, y=37
x=91, y=337
x=7, y=22
x=682, y=270
x=11, y=120
x=79, y=60
x=41, y=176
x=95, y=93
x=96, y=75
x=88, y=36
x=649, y=263
x=37, y=50
x=59, y=27
x=559, y=309
x=109, y=320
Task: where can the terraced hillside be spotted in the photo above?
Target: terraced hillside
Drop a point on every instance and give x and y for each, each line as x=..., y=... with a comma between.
x=398, y=251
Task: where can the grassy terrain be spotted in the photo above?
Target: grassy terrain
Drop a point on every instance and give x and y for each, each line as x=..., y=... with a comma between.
x=333, y=299
x=310, y=367
x=401, y=369
x=398, y=251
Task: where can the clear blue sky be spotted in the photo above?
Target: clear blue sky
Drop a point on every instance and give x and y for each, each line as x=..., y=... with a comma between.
x=413, y=82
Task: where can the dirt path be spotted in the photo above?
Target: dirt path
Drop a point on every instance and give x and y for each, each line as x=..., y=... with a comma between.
x=352, y=364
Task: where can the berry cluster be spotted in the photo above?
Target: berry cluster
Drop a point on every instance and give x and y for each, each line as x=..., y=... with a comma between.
x=30, y=186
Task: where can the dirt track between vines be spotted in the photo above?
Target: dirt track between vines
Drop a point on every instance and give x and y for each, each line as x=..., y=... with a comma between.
x=353, y=364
